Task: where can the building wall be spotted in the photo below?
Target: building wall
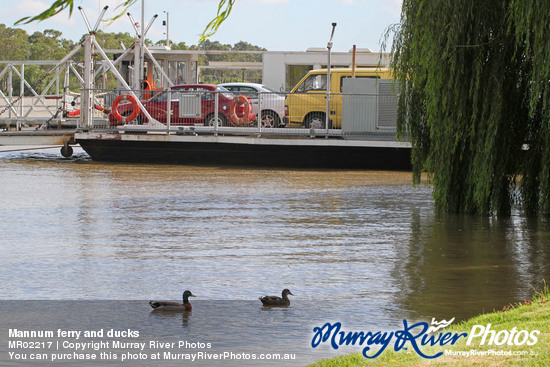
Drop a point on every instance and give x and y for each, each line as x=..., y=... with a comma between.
x=275, y=63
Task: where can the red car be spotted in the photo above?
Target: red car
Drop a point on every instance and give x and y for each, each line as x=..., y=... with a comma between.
x=192, y=104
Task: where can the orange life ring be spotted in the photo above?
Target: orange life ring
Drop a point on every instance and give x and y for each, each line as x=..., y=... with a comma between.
x=135, y=108
x=238, y=101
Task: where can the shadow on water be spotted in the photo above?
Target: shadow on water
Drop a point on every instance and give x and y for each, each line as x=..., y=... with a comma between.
x=460, y=265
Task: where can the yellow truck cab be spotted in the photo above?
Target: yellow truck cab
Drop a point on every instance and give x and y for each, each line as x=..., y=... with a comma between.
x=306, y=104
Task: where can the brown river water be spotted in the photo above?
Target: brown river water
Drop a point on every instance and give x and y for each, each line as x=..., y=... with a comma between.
x=362, y=247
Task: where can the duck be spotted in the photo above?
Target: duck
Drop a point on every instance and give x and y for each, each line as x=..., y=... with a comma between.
x=173, y=306
x=270, y=301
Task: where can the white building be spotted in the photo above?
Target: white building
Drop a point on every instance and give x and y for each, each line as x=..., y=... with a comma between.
x=281, y=70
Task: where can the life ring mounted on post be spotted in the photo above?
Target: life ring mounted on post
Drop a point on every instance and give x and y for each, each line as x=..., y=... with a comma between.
x=240, y=101
x=135, y=108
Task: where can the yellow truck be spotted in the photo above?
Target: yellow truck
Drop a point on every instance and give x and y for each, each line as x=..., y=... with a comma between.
x=306, y=104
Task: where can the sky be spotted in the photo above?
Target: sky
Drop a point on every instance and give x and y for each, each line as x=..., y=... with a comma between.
x=277, y=25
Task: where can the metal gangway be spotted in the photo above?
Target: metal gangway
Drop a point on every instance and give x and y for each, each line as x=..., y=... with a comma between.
x=69, y=101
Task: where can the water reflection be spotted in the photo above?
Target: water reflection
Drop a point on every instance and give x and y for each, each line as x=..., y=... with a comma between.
x=170, y=316
x=459, y=265
x=116, y=231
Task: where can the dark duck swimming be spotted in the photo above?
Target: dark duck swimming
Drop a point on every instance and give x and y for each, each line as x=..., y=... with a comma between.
x=173, y=306
x=273, y=301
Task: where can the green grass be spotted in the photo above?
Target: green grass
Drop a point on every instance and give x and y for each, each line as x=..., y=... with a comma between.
x=533, y=315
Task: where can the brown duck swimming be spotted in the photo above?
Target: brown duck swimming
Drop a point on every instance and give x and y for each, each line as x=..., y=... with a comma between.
x=277, y=301
x=173, y=306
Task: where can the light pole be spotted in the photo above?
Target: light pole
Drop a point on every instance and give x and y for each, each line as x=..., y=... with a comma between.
x=329, y=48
x=141, y=63
x=167, y=24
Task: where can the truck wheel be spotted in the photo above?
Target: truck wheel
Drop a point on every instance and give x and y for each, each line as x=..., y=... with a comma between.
x=315, y=120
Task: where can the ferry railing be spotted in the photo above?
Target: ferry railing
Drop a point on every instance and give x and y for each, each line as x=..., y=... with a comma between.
x=197, y=109
x=21, y=102
x=202, y=111
x=41, y=93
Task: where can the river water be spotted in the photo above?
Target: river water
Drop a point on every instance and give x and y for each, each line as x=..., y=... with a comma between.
x=362, y=247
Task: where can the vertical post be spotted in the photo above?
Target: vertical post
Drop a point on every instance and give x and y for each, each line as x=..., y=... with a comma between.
x=10, y=89
x=329, y=48
x=216, y=104
x=142, y=46
x=136, y=84
x=168, y=110
x=259, y=116
x=21, y=95
x=57, y=89
x=66, y=88
x=353, y=63
x=167, y=29
x=86, y=94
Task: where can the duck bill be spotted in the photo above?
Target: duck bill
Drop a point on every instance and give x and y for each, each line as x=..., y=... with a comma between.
x=192, y=295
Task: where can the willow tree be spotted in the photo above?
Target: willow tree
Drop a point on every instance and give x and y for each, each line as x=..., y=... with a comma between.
x=475, y=101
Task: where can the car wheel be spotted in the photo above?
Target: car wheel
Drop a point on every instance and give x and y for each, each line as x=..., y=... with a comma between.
x=210, y=120
x=315, y=120
x=270, y=119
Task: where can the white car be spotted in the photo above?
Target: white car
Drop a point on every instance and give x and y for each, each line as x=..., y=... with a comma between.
x=272, y=102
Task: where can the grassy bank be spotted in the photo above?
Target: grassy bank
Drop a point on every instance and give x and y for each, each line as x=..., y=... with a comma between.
x=530, y=315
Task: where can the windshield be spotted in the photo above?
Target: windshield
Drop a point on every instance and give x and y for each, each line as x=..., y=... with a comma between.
x=313, y=82
x=225, y=92
x=159, y=97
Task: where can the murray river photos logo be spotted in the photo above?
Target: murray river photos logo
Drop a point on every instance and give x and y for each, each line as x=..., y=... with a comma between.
x=418, y=335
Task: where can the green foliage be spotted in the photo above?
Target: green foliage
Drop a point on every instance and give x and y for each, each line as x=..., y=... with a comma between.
x=60, y=5
x=215, y=76
x=55, y=8
x=173, y=45
x=113, y=41
x=48, y=45
x=14, y=43
x=473, y=96
x=224, y=9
